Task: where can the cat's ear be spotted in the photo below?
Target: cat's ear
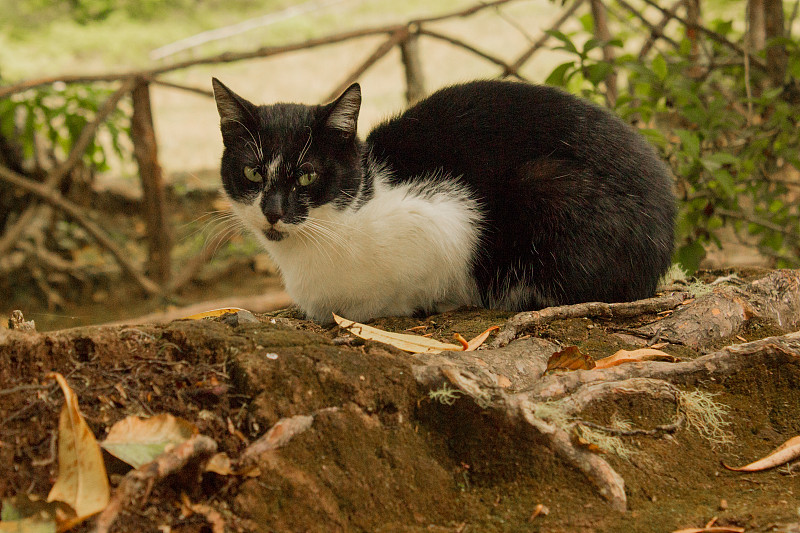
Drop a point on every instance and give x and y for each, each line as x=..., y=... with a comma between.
x=233, y=109
x=343, y=116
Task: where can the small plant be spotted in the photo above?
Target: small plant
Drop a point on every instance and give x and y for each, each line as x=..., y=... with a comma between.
x=445, y=395
x=726, y=139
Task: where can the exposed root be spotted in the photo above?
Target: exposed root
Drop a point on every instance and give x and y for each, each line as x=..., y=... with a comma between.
x=524, y=322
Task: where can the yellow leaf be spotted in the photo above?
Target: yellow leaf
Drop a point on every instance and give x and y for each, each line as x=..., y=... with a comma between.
x=634, y=356
x=214, y=313
x=403, y=341
x=82, y=482
x=788, y=451
x=137, y=441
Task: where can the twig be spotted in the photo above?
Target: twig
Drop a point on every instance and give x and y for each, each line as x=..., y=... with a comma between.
x=656, y=30
x=187, y=88
x=466, y=46
x=379, y=52
x=54, y=199
x=138, y=483
x=793, y=236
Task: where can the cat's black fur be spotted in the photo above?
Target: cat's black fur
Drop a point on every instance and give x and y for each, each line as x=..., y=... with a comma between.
x=571, y=203
x=571, y=192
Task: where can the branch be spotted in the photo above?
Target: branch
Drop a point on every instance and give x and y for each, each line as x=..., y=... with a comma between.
x=711, y=34
x=56, y=175
x=461, y=44
x=54, y=199
x=379, y=52
x=228, y=57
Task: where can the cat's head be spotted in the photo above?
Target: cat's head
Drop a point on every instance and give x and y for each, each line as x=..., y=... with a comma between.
x=282, y=161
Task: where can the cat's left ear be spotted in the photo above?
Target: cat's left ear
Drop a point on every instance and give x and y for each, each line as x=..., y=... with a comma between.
x=343, y=115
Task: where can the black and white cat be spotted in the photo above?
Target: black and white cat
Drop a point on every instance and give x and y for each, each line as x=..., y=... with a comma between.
x=496, y=194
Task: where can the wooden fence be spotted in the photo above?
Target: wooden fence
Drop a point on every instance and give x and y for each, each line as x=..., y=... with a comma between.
x=160, y=278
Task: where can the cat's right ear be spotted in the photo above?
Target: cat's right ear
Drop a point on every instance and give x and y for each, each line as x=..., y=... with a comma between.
x=234, y=111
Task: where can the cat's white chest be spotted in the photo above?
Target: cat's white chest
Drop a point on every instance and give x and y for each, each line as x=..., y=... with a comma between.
x=407, y=248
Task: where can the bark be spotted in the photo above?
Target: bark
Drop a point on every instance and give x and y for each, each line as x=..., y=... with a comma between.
x=145, y=150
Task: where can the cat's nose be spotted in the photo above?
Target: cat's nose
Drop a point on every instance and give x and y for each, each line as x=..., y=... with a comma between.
x=272, y=207
x=273, y=217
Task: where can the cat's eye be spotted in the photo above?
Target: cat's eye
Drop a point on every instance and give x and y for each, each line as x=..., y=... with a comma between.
x=307, y=178
x=253, y=174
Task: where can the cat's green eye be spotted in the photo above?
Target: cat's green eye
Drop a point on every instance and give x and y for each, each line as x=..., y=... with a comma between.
x=253, y=174
x=307, y=178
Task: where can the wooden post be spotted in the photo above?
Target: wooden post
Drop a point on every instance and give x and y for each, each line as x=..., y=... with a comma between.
x=145, y=151
x=777, y=60
x=602, y=33
x=415, y=81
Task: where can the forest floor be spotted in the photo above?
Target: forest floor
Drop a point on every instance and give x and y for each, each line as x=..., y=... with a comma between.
x=380, y=454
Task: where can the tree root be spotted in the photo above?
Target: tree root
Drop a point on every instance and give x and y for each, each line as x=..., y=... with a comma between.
x=552, y=406
x=524, y=322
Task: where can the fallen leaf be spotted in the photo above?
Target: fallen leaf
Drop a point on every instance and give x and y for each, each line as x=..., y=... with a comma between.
x=412, y=343
x=137, y=441
x=82, y=482
x=788, y=451
x=480, y=339
x=403, y=341
x=570, y=358
x=220, y=464
x=634, y=356
x=214, y=313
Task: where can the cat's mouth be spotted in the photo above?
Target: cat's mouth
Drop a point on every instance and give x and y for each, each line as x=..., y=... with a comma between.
x=274, y=235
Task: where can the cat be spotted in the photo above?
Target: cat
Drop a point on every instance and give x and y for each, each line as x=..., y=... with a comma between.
x=496, y=194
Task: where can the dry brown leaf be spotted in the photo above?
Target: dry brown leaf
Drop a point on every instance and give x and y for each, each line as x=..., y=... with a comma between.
x=634, y=356
x=214, y=313
x=220, y=464
x=82, y=482
x=788, y=451
x=138, y=441
x=570, y=358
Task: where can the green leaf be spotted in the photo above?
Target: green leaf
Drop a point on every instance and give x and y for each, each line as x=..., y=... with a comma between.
x=660, y=67
x=598, y=72
x=690, y=142
x=558, y=76
x=690, y=255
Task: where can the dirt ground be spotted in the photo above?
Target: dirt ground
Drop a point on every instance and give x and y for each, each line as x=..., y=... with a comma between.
x=386, y=457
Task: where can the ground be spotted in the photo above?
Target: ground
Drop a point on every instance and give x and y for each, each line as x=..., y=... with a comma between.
x=380, y=454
